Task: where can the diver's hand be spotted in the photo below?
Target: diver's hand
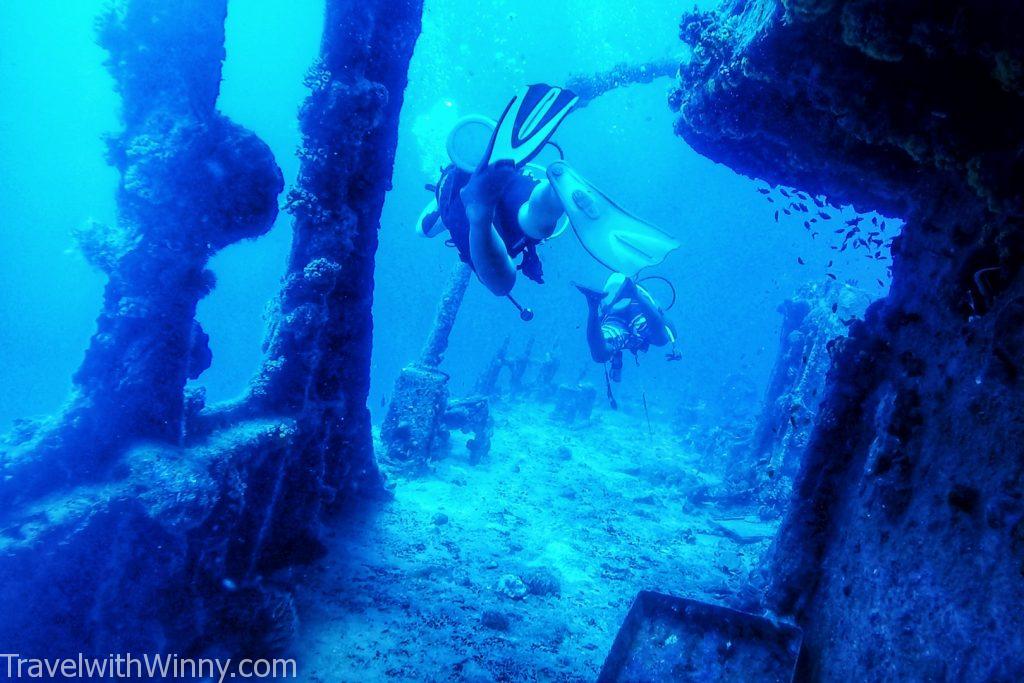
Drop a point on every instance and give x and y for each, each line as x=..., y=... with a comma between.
x=486, y=185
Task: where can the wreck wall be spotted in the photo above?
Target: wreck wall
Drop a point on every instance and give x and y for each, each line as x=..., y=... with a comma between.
x=902, y=553
x=811, y=320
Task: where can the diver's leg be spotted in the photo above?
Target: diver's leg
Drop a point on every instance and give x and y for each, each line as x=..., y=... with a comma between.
x=617, y=293
x=491, y=261
x=539, y=216
x=599, y=350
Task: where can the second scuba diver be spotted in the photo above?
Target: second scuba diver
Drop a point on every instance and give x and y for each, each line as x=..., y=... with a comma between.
x=624, y=317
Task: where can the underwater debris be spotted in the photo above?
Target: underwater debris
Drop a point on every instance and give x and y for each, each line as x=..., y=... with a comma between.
x=512, y=587
x=420, y=415
x=574, y=403
x=667, y=638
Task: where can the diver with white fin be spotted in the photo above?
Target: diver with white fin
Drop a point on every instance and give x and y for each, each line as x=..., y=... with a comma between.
x=496, y=205
x=624, y=316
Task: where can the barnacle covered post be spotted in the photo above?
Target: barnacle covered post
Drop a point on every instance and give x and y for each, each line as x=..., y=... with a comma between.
x=447, y=309
x=592, y=85
x=318, y=348
x=902, y=553
x=192, y=182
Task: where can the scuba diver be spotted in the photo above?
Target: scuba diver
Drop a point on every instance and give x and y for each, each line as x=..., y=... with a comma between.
x=497, y=206
x=624, y=317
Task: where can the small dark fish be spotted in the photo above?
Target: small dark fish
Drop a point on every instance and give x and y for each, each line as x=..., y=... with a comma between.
x=776, y=216
x=807, y=225
x=835, y=307
x=782, y=190
x=840, y=230
x=800, y=261
x=874, y=220
x=818, y=203
x=787, y=212
x=829, y=264
x=882, y=225
x=763, y=190
x=814, y=220
x=880, y=283
x=844, y=247
x=792, y=421
x=831, y=275
x=772, y=201
x=802, y=195
x=824, y=216
x=814, y=234
x=855, y=221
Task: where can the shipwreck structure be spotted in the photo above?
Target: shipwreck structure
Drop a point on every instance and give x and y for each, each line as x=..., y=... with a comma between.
x=901, y=556
x=812, y=321
x=421, y=414
x=139, y=519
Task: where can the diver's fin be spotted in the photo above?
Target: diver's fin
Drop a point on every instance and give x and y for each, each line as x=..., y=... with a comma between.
x=528, y=122
x=615, y=238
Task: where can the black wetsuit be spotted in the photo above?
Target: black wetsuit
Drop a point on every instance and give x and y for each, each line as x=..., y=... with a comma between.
x=506, y=218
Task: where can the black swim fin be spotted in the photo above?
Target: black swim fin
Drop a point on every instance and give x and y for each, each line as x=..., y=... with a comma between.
x=528, y=122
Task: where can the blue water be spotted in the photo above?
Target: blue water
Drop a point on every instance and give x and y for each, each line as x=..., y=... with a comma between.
x=736, y=266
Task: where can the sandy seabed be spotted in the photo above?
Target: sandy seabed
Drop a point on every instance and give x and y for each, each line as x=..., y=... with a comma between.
x=521, y=567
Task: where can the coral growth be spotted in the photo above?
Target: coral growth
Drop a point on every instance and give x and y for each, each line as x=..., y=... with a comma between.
x=192, y=182
x=813, y=321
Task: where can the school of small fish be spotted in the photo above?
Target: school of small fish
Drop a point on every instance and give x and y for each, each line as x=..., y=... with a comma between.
x=814, y=211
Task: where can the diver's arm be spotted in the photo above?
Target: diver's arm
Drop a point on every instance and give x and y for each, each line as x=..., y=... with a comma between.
x=487, y=250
